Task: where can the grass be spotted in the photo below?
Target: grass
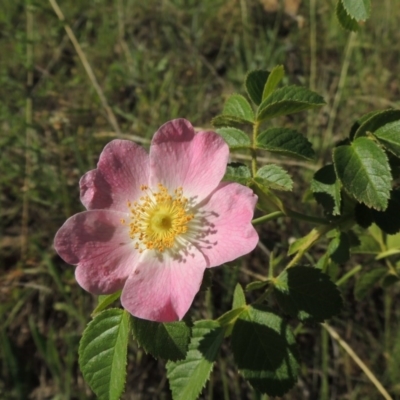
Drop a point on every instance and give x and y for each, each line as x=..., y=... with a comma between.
x=155, y=61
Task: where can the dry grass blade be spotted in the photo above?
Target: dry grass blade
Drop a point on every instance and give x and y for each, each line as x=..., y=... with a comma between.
x=86, y=65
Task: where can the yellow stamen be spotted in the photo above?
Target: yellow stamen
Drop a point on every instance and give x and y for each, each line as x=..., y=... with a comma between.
x=158, y=218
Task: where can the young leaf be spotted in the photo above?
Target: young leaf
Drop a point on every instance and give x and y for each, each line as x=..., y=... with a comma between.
x=168, y=341
x=106, y=300
x=255, y=285
x=288, y=100
x=274, y=78
x=364, y=171
x=188, y=377
x=274, y=177
x=255, y=82
x=102, y=353
x=366, y=281
x=265, y=350
x=235, y=138
x=285, y=141
x=358, y=9
x=389, y=137
x=326, y=189
x=376, y=121
x=303, y=243
x=237, y=172
x=238, y=107
x=345, y=19
x=239, y=299
x=307, y=294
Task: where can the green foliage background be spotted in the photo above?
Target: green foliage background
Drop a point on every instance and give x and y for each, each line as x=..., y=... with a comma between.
x=158, y=60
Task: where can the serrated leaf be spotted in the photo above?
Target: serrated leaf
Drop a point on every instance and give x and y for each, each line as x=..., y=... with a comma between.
x=326, y=189
x=106, y=300
x=238, y=107
x=367, y=280
x=237, y=172
x=339, y=248
x=376, y=121
x=364, y=171
x=345, y=19
x=168, y=341
x=358, y=9
x=239, y=299
x=360, y=121
x=307, y=294
x=235, y=138
x=274, y=177
x=255, y=82
x=288, y=100
x=227, y=121
x=102, y=353
x=389, y=137
x=265, y=350
x=188, y=377
x=274, y=78
x=285, y=141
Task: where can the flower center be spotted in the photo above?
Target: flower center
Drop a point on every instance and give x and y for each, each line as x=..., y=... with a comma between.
x=158, y=218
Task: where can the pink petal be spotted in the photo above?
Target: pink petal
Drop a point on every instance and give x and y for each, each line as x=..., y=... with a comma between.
x=123, y=166
x=181, y=158
x=101, y=247
x=227, y=232
x=163, y=287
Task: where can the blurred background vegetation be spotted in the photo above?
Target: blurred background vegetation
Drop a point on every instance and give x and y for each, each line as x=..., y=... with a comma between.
x=156, y=60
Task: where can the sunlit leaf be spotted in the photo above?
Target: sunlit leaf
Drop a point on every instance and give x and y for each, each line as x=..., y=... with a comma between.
x=235, y=138
x=358, y=9
x=389, y=137
x=274, y=177
x=376, y=121
x=285, y=141
x=239, y=299
x=106, y=300
x=274, y=78
x=288, y=100
x=102, y=353
x=364, y=171
x=238, y=107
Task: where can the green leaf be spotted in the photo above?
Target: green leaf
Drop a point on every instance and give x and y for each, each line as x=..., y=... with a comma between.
x=106, y=300
x=265, y=350
x=345, y=19
x=188, y=377
x=102, y=353
x=358, y=9
x=257, y=285
x=226, y=121
x=288, y=100
x=367, y=280
x=274, y=177
x=238, y=107
x=360, y=121
x=237, y=172
x=339, y=248
x=285, y=141
x=389, y=137
x=307, y=294
x=255, y=82
x=168, y=341
x=364, y=171
x=303, y=243
x=274, y=78
x=376, y=121
x=326, y=189
x=239, y=299
x=235, y=138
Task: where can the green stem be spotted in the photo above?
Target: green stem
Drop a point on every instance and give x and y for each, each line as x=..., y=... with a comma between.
x=304, y=217
x=253, y=149
x=268, y=217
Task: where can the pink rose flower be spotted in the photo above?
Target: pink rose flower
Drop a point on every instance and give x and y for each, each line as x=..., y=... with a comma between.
x=155, y=222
